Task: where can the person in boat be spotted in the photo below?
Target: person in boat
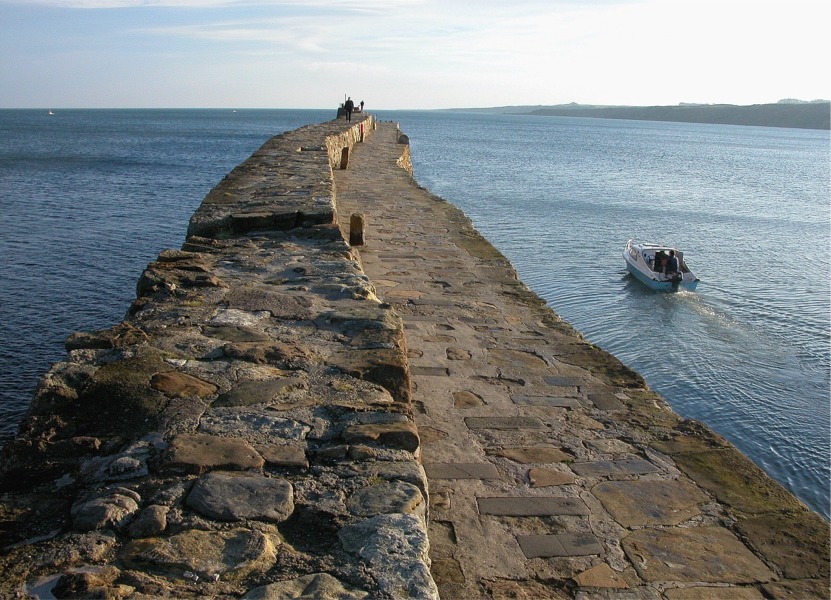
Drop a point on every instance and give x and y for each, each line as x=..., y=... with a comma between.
x=660, y=262
x=672, y=269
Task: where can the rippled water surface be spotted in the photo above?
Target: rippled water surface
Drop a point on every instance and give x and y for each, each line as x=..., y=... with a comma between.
x=90, y=197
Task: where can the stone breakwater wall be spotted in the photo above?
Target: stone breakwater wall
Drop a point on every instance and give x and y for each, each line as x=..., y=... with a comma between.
x=246, y=431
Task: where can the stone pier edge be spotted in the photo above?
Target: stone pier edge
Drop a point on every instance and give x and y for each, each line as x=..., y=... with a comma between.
x=257, y=361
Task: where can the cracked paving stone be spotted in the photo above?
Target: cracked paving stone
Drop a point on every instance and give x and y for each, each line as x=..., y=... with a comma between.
x=461, y=471
x=503, y=423
x=604, y=468
x=532, y=506
x=563, y=544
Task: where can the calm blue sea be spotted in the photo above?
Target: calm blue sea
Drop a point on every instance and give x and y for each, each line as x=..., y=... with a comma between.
x=88, y=198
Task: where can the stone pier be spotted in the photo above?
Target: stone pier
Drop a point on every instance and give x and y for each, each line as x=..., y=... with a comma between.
x=283, y=415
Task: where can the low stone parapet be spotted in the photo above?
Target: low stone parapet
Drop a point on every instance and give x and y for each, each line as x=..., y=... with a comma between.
x=246, y=431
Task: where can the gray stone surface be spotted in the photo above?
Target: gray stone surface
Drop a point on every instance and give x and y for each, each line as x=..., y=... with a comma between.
x=319, y=586
x=238, y=496
x=150, y=521
x=114, y=508
x=606, y=401
x=533, y=455
x=642, y=503
x=461, y=471
x=503, y=423
x=565, y=544
x=395, y=548
x=247, y=393
x=403, y=435
x=387, y=497
x=552, y=401
x=532, y=506
x=197, y=453
x=607, y=468
x=687, y=555
x=230, y=554
x=253, y=426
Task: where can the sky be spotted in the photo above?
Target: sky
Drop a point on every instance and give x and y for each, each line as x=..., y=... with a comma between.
x=410, y=54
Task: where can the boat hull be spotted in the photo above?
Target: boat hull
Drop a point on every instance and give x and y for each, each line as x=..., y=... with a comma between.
x=640, y=259
x=660, y=286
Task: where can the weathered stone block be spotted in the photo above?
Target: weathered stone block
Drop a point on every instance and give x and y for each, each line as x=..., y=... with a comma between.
x=563, y=544
x=232, y=554
x=197, y=453
x=541, y=455
x=318, y=585
x=402, y=435
x=237, y=496
x=641, y=503
x=610, y=468
x=461, y=471
x=536, y=506
x=174, y=384
x=685, y=554
x=385, y=498
x=356, y=229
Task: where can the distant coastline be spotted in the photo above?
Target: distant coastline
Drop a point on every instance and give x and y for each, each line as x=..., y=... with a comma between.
x=800, y=115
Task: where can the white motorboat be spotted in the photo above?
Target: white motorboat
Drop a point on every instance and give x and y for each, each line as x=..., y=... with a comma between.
x=647, y=262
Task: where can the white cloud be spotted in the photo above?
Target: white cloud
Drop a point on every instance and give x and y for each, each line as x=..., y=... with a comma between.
x=434, y=53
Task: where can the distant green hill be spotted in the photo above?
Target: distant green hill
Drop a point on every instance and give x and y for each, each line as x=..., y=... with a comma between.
x=814, y=115
x=806, y=115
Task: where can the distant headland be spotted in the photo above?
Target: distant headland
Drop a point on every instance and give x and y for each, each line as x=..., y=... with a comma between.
x=785, y=113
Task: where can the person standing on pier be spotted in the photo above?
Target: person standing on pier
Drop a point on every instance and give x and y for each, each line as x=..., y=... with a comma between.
x=349, y=106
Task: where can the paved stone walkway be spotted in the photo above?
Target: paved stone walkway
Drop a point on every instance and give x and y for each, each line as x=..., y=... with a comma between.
x=553, y=471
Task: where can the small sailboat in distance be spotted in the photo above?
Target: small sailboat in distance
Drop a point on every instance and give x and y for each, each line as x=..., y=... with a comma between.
x=50, y=112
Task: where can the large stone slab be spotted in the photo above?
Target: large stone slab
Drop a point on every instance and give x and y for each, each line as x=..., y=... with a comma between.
x=532, y=506
x=257, y=426
x=714, y=593
x=429, y=371
x=641, y=503
x=395, y=548
x=550, y=401
x=610, y=468
x=563, y=544
x=402, y=435
x=542, y=477
x=285, y=456
x=520, y=359
x=461, y=471
x=606, y=401
x=525, y=589
x=601, y=576
x=248, y=393
x=528, y=456
x=610, y=446
x=319, y=586
x=385, y=498
x=503, y=423
x=198, y=453
x=564, y=381
x=797, y=542
x=734, y=480
x=174, y=384
x=466, y=399
x=693, y=554
x=237, y=496
x=232, y=554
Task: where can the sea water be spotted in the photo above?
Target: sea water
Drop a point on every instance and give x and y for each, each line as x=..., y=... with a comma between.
x=90, y=197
